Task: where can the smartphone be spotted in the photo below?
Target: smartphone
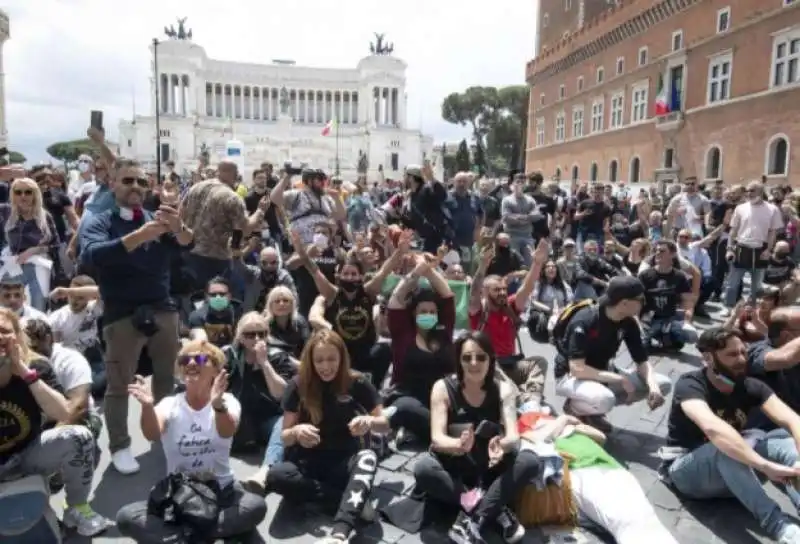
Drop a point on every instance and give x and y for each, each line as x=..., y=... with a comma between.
x=96, y=120
x=236, y=239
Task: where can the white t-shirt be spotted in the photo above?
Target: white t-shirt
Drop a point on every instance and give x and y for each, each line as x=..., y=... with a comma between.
x=28, y=313
x=76, y=330
x=71, y=369
x=191, y=443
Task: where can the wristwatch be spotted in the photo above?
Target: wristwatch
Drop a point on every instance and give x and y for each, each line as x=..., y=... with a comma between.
x=31, y=377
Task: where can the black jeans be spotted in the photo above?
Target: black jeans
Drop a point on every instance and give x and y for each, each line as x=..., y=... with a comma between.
x=413, y=415
x=719, y=265
x=322, y=477
x=240, y=513
x=501, y=483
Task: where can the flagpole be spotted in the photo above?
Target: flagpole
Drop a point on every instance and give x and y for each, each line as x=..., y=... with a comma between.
x=337, y=173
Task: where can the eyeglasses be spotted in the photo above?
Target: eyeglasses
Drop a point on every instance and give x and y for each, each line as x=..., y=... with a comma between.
x=21, y=192
x=252, y=335
x=200, y=359
x=479, y=357
x=141, y=182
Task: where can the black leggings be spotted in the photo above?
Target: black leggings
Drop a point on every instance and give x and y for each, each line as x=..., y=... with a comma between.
x=414, y=416
x=501, y=483
x=321, y=478
x=240, y=513
x=375, y=362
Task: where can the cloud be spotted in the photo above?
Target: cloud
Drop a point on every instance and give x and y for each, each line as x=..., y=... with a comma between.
x=67, y=57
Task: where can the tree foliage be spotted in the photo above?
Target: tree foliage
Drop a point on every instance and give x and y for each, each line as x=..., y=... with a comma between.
x=463, y=162
x=15, y=157
x=497, y=118
x=70, y=151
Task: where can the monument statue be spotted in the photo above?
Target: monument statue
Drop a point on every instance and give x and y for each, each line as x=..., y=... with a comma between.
x=284, y=101
x=363, y=162
x=378, y=47
x=181, y=34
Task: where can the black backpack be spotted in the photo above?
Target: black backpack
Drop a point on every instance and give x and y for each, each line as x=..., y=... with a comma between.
x=564, y=318
x=189, y=503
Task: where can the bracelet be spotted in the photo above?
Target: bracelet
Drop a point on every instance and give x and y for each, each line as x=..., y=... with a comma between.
x=31, y=377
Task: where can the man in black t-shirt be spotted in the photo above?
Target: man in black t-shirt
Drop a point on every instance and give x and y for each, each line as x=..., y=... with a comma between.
x=592, y=216
x=583, y=370
x=711, y=455
x=776, y=359
x=782, y=272
x=668, y=300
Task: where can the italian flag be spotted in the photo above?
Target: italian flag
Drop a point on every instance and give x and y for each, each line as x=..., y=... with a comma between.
x=327, y=129
x=662, y=104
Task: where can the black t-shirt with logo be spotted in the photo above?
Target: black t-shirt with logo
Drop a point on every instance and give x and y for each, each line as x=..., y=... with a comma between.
x=662, y=291
x=21, y=418
x=56, y=202
x=351, y=318
x=779, y=271
x=732, y=408
x=306, y=288
x=218, y=326
x=338, y=410
x=593, y=222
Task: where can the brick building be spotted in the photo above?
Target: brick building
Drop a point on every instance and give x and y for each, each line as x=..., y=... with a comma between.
x=728, y=71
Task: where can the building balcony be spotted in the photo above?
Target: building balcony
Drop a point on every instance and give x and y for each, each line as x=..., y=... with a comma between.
x=670, y=121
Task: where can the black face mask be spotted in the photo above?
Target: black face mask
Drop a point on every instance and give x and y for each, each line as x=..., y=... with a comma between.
x=268, y=276
x=781, y=256
x=350, y=286
x=502, y=249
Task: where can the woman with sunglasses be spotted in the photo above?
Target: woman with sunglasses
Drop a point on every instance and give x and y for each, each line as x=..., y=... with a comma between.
x=329, y=412
x=474, y=445
x=30, y=236
x=258, y=376
x=196, y=430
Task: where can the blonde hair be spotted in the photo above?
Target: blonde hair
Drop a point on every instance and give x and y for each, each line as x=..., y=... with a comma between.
x=248, y=319
x=39, y=213
x=27, y=355
x=277, y=291
x=205, y=347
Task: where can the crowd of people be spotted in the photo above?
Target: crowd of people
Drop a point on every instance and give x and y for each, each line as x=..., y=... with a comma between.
x=325, y=322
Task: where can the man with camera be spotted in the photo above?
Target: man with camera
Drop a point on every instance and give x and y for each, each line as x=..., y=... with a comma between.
x=309, y=206
x=130, y=248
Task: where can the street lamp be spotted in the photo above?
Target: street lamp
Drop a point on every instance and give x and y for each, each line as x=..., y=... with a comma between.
x=158, y=110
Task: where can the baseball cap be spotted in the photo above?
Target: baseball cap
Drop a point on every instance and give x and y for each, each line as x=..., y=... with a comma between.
x=623, y=288
x=569, y=242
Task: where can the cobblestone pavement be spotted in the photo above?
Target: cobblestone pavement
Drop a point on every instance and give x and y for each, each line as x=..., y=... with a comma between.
x=639, y=434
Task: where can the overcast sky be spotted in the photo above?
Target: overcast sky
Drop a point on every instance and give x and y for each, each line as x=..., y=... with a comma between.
x=67, y=57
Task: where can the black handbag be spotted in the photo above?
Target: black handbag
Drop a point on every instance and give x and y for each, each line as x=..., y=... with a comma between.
x=189, y=503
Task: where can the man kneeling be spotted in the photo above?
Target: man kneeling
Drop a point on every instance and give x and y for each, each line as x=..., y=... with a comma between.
x=710, y=456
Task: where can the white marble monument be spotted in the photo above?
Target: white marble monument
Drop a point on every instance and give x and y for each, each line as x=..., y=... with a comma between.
x=4, y=35
x=277, y=111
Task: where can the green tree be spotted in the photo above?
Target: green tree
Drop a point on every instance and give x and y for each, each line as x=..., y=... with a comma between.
x=462, y=158
x=70, y=151
x=15, y=157
x=498, y=119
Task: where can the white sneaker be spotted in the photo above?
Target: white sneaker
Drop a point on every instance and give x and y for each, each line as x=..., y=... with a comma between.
x=125, y=462
x=789, y=535
x=726, y=312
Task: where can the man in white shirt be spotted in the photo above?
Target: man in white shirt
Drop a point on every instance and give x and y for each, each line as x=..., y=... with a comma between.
x=13, y=297
x=75, y=325
x=687, y=209
x=754, y=227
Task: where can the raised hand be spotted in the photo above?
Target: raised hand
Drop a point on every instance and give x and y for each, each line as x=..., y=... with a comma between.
x=140, y=390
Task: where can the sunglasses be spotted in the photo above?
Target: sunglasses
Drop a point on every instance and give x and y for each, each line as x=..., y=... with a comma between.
x=141, y=182
x=200, y=359
x=480, y=357
x=25, y=192
x=252, y=335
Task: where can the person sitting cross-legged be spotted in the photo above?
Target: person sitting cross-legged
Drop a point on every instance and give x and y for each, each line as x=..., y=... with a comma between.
x=196, y=429
x=711, y=455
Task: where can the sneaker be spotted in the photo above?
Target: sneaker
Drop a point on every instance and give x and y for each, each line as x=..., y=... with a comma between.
x=790, y=534
x=125, y=462
x=465, y=530
x=87, y=522
x=511, y=528
x=726, y=312
x=257, y=483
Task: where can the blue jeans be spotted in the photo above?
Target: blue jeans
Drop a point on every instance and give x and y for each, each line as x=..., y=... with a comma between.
x=660, y=327
x=584, y=290
x=37, y=299
x=98, y=378
x=735, y=277
x=522, y=246
x=274, y=453
x=707, y=473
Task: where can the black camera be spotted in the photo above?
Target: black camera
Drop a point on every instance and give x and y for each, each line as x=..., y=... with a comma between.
x=292, y=169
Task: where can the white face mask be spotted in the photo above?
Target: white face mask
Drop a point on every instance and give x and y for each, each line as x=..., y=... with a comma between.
x=320, y=240
x=83, y=167
x=126, y=214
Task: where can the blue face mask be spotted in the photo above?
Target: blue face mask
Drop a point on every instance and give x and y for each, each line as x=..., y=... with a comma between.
x=427, y=321
x=218, y=302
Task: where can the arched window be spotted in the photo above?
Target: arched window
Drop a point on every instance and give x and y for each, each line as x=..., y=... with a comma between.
x=713, y=163
x=558, y=173
x=778, y=156
x=612, y=171
x=593, y=172
x=575, y=172
x=635, y=167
